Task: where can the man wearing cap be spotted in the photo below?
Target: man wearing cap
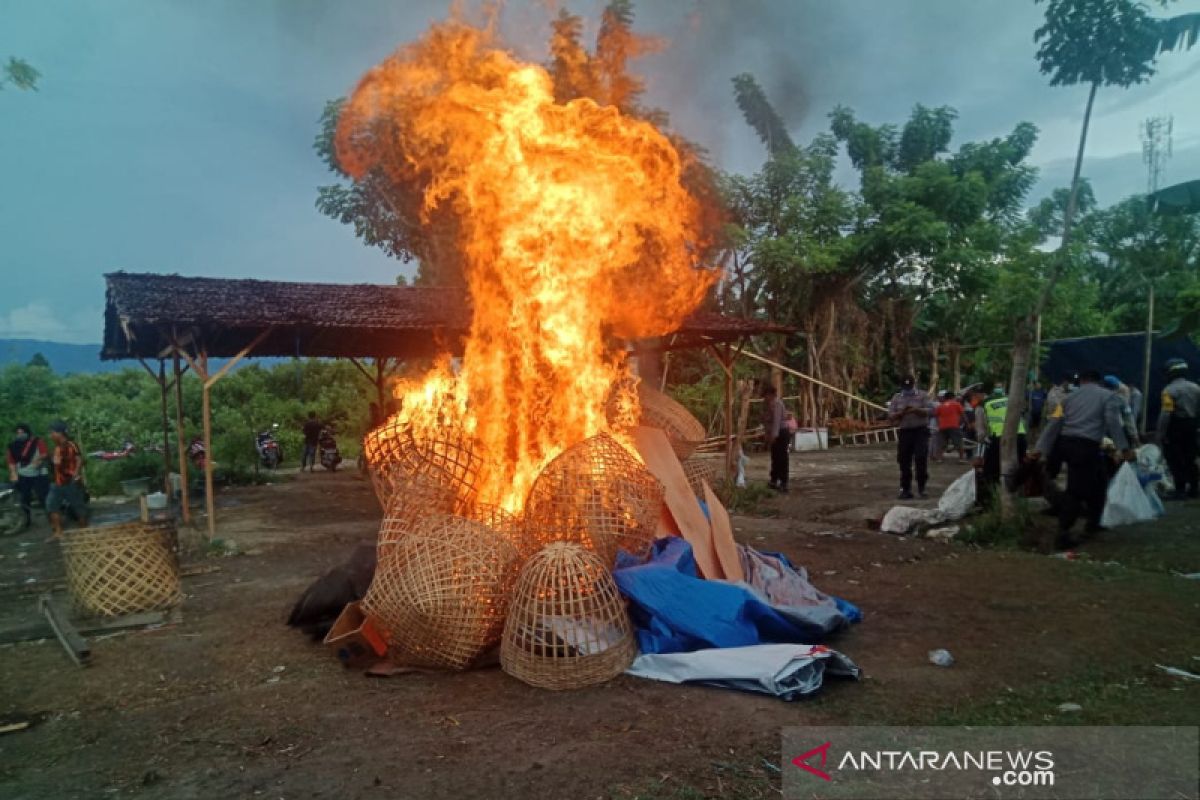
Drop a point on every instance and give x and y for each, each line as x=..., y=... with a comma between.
x=910, y=410
x=67, y=491
x=1177, y=429
x=1075, y=429
x=27, y=457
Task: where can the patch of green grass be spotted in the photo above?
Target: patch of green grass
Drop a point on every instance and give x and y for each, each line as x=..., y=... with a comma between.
x=993, y=529
x=1145, y=696
x=748, y=499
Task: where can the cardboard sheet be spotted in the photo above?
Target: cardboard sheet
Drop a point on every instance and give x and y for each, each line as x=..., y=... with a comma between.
x=722, y=536
x=662, y=462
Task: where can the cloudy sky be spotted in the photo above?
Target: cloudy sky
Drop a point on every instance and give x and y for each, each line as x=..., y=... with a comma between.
x=176, y=135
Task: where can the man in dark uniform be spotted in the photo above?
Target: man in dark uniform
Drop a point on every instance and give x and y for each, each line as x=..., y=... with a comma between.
x=910, y=410
x=1177, y=429
x=1077, y=426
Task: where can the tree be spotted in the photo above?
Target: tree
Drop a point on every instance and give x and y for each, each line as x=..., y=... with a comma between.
x=20, y=74
x=1100, y=43
x=38, y=360
x=934, y=221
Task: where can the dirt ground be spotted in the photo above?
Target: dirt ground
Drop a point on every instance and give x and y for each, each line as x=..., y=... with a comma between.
x=232, y=704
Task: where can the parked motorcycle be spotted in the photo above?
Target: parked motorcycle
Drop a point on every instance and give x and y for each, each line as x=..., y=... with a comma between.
x=12, y=521
x=270, y=454
x=327, y=450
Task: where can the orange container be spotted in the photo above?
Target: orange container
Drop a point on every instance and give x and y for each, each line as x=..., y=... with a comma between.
x=359, y=643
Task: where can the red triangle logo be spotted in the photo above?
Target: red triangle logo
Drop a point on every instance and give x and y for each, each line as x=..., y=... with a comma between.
x=801, y=761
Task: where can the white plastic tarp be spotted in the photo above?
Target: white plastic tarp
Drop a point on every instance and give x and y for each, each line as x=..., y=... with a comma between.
x=787, y=671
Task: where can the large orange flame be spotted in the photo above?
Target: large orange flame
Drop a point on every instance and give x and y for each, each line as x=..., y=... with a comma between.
x=573, y=226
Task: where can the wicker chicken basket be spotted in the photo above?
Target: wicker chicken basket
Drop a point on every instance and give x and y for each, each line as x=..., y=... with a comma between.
x=595, y=494
x=567, y=623
x=684, y=431
x=121, y=569
x=441, y=592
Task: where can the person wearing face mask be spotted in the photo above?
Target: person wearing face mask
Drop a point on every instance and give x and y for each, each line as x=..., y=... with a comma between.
x=27, y=456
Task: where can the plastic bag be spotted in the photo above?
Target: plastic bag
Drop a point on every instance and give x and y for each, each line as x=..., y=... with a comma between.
x=959, y=498
x=1127, y=502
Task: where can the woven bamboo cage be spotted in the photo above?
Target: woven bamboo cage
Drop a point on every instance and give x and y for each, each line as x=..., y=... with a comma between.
x=596, y=494
x=697, y=470
x=121, y=569
x=398, y=457
x=684, y=431
x=441, y=592
x=567, y=625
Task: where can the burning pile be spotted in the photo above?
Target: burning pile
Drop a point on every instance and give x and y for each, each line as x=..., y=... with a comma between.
x=575, y=233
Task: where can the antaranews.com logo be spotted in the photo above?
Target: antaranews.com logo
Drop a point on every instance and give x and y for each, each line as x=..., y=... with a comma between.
x=1008, y=768
x=1090, y=763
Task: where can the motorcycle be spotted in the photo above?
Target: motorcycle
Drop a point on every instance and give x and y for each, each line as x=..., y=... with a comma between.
x=327, y=450
x=12, y=521
x=270, y=454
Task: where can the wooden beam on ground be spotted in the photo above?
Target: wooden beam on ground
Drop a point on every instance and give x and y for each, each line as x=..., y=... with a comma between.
x=75, y=645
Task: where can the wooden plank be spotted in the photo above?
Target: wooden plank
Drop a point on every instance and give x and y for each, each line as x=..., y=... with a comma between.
x=75, y=645
x=662, y=462
x=722, y=536
x=41, y=629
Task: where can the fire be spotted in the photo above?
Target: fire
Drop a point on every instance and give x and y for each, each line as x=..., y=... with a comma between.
x=574, y=229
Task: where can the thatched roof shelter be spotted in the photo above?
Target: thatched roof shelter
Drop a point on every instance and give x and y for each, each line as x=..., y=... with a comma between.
x=146, y=314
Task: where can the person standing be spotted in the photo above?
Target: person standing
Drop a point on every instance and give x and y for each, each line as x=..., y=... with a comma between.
x=1075, y=430
x=995, y=412
x=910, y=410
x=1177, y=429
x=312, y=435
x=950, y=414
x=27, y=457
x=68, y=490
x=775, y=432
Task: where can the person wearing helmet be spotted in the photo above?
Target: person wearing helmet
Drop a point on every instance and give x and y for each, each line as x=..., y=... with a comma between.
x=1177, y=429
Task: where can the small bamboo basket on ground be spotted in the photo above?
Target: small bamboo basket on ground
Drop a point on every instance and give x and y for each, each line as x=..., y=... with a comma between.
x=567, y=623
x=441, y=592
x=596, y=494
x=658, y=410
x=121, y=569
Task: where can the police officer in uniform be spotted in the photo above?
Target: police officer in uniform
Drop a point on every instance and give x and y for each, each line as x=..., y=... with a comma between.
x=995, y=411
x=1177, y=429
x=1076, y=427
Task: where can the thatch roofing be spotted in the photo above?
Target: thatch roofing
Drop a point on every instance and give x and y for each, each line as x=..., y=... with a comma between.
x=144, y=311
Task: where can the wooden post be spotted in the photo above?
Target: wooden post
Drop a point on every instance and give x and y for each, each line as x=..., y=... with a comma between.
x=1147, y=353
x=166, y=424
x=200, y=367
x=206, y=414
x=180, y=442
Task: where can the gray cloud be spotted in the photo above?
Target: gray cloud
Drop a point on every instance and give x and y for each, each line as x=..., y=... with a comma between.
x=175, y=136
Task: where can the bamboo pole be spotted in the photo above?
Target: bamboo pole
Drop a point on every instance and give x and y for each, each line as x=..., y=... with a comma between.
x=811, y=379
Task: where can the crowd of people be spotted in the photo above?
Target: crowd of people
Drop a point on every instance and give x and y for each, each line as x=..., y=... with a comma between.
x=54, y=477
x=1086, y=422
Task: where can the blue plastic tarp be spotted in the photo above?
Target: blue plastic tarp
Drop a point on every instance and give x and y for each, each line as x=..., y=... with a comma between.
x=675, y=610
